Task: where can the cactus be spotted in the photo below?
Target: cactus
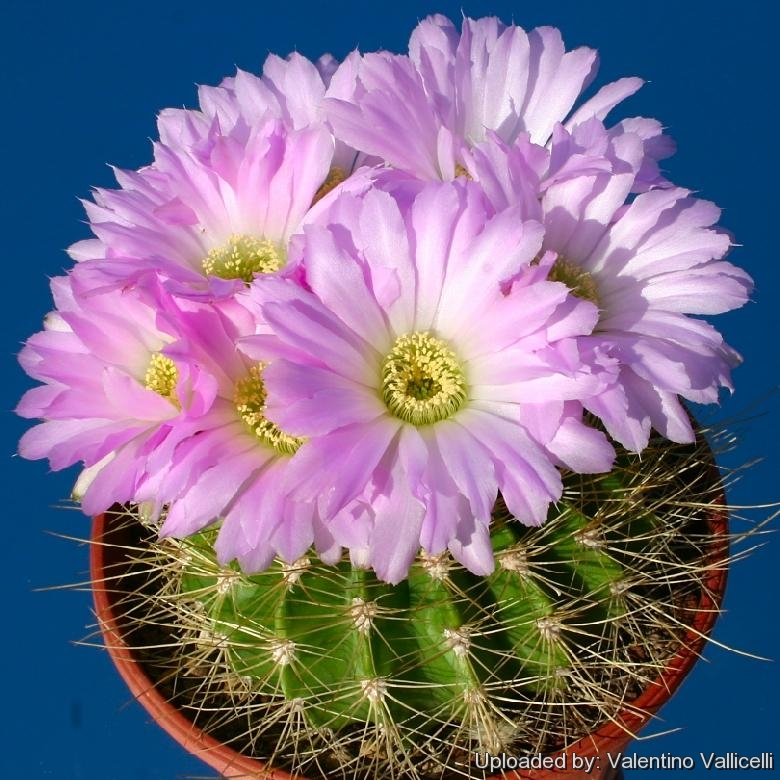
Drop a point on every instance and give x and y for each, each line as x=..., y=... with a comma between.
x=327, y=671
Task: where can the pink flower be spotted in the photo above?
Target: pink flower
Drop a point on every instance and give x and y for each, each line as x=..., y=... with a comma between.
x=647, y=262
x=423, y=112
x=423, y=379
x=110, y=392
x=210, y=216
x=292, y=90
x=648, y=265
x=225, y=462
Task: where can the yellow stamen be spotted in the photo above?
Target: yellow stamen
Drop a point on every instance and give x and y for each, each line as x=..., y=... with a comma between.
x=249, y=396
x=161, y=377
x=334, y=178
x=242, y=257
x=461, y=170
x=422, y=379
x=578, y=280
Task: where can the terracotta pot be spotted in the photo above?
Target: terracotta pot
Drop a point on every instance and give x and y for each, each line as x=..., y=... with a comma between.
x=107, y=554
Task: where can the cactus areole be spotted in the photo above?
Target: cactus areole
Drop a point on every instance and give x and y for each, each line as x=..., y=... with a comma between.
x=308, y=670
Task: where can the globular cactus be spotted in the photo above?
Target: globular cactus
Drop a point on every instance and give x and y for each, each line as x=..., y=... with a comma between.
x=327, y=671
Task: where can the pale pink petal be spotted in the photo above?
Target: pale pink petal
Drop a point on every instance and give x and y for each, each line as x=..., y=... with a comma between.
x=605, y=100
x=306, y=399
x=396, y=534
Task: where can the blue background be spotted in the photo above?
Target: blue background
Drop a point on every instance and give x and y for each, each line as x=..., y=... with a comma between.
x=81, y=85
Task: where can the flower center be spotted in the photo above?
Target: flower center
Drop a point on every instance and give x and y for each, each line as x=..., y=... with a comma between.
x=161, y=377
x=334, y=178
x=461, y=170
x=242, y=257
x=579, y=281
x=249, y=396
x=422, y=379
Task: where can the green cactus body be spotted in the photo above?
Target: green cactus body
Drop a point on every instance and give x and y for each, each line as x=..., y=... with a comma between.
x=327, y=666
x=339, y=640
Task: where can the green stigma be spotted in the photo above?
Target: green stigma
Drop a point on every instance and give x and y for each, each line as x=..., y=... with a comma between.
x=249, y=396
x=242, y=257
x=579, y=281
x=422, y=379
x=161, y=377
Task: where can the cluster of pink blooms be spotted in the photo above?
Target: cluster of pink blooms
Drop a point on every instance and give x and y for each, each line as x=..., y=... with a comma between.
x=348, y=304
